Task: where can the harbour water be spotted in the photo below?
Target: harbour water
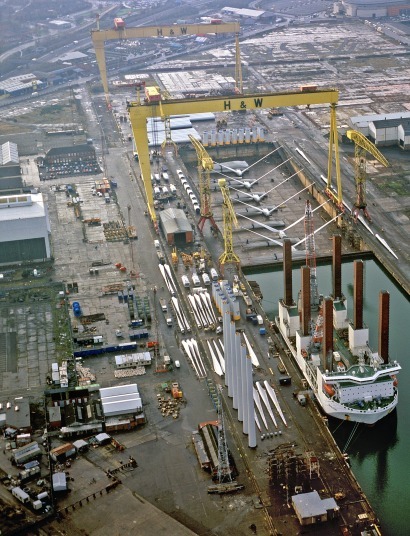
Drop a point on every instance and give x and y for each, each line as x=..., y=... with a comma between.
x=379, y=456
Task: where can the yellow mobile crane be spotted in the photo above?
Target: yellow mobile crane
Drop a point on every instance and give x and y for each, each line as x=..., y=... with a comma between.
x=205, y=165
x=230, y=221
x=139, y=112
x=121, y=32
x=362, y=146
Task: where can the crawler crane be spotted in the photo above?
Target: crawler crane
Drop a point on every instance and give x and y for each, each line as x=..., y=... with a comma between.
x=362, y=146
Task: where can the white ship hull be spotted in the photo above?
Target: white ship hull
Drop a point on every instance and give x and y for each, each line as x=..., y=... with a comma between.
x=333, y=408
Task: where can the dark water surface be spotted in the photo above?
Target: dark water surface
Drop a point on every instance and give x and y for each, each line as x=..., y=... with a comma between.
x=379, y=456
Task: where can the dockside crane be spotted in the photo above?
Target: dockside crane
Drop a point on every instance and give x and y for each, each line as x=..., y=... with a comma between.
x=230, y=221
x=362, y=146
x=139, y=112
x=225, y=483
x=122, y=32
x=205, y=166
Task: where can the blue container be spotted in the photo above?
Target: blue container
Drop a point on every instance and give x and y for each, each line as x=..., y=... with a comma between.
x=262, y=331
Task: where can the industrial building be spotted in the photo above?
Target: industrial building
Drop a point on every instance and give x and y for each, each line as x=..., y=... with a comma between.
x=122, y=407
x=391, y=132
x=175, y=226
x=310, y=509
x=10, y=171
x=73, y=160
x=372, y=8
x=384, y=129
x=24, y=229
x=133, y=360
x=243, y=13
x=74, y=413
x=15, y=414
x=59, y=482
x=20, y=85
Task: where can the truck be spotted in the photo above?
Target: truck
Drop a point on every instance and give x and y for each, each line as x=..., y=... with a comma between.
x=185, y=281
x=107, y=198
x=175, y=390
x=169, y=322
x=301, y=398
x=163, y=304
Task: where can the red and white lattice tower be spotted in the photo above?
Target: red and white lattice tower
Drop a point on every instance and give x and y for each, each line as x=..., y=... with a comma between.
x=311, y=255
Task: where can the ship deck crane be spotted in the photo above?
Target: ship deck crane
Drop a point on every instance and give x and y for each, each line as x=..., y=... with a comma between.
x=121, y=31
x=362, y=146
x=140, y=112
x=230, y=221
x=205, y=166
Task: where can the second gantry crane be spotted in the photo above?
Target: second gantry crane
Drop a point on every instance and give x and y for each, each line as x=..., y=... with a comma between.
x=362, y=146
x=205, y=166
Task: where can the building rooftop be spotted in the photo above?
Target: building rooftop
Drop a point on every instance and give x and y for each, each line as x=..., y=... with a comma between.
x=9, y=153
x=311, y=505
x=15, y=418
x=120, y=400
x=16, y=207
x=174, y=220
x=119, y=390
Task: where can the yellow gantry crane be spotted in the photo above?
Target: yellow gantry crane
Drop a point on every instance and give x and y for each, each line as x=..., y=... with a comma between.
x=362, y=146
x=205, y=166
x=230, y=221
x=139, y=112
x=121, y=32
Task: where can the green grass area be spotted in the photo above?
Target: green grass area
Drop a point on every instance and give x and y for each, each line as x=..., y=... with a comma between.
x=397, y=186
x=11, y=128
x=60, y=112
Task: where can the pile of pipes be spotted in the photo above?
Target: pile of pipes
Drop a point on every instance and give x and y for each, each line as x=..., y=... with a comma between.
x=169, y=280
x=202, y=310
x=137, y=371
x=180, y=316
x=218, y=360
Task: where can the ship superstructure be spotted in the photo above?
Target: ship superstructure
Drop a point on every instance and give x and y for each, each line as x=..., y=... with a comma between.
x=349, y=379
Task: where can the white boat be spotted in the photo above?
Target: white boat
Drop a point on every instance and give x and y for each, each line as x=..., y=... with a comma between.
x=349, y=380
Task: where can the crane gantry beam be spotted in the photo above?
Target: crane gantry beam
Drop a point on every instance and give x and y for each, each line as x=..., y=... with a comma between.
x=139, y=112
x=205, y=165
x=230, y=221
x=99, y=37
x=362, y=146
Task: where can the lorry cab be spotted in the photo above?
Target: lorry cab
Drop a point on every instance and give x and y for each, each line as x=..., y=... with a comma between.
x=185, y=281
x=195, y=279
